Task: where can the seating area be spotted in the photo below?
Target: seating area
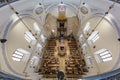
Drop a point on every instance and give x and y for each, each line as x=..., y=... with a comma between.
x=73, y=65
x=72, y=45
x=50, y=63
x=50, y=47
x=50, y=66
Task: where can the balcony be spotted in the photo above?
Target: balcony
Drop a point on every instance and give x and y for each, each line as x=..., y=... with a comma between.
x=3, y=3
x=117, y=1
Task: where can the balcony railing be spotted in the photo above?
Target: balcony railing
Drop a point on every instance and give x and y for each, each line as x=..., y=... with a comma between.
x=3, y=3
x=113, y=75
x=117, y=1
x=6, y=76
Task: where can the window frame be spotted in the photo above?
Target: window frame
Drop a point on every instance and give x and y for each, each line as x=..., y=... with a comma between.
x=29, y=37
x=103, y=55
x=16, y=56
x=19, y=54
x=93, y=37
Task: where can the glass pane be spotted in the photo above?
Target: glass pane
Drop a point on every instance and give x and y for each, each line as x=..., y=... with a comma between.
x=94, y=36
x=19, y=53
x=104, y=53
x=22, y=51
x=106, y=56
x=16, y=52
x=107, y=59
x=17, y=56
x=29, y=37
x=15, y=59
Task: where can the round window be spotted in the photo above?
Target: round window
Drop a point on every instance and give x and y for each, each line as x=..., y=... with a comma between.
x=84, y=10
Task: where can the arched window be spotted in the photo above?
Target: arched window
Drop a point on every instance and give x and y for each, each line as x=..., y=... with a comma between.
x=19, y=54
x=30, y=38
x=103, y=55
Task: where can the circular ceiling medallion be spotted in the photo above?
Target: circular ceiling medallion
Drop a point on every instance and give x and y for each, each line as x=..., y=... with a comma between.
x=38, y=10
x=84, y=10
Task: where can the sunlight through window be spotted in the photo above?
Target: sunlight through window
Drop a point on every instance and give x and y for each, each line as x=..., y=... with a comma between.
x=103, y=55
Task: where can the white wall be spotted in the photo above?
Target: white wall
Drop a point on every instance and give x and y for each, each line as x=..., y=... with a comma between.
x=15, y=41
x=109, y=30
x=15, y=36
x=108, y=40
